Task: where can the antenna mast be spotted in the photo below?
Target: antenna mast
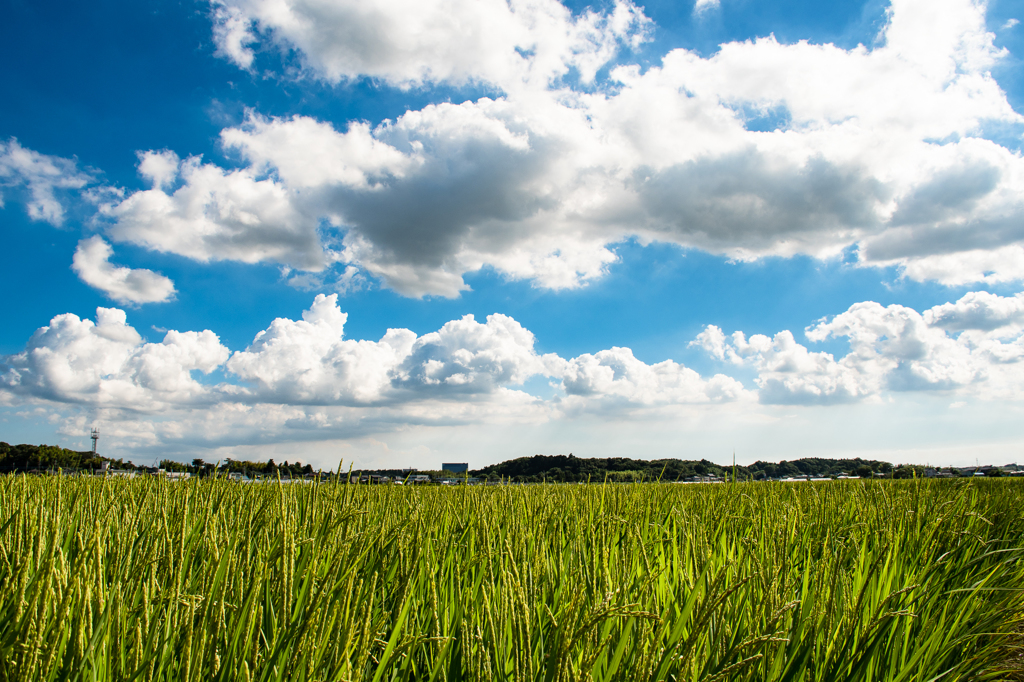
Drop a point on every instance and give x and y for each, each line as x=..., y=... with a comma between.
x=95, y=437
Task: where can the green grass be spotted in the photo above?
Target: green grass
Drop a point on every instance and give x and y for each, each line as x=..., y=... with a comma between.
x=210, y=580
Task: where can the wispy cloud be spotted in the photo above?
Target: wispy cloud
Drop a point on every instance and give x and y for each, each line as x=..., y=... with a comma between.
x=703, y=6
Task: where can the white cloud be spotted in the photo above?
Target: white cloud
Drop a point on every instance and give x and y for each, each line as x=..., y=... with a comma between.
x=232, y=33
x=467, y=357
x=892, y=349
x=217, y=215
x=125, y=285
x=703, y=6
x=787, y=372
x=960, y=268
x=979, y=310
x=895, y=347
x=615, y=379
x=304, y=153
x=465, y=368
x=42, y=176
x=107, y=363
x=302, y=380
x=309, y=361
x=159, y=168
x=411, y=42
x=875, y=148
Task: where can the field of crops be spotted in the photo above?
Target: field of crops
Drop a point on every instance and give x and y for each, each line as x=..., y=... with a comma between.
x=212, y=580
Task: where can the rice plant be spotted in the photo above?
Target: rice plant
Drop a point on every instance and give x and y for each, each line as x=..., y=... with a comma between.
x=145, y=579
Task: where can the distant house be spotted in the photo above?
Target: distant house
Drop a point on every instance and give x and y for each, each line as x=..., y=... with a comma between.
x=456, y=467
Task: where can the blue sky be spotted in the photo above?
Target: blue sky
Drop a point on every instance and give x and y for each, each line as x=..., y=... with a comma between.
x=789, y=229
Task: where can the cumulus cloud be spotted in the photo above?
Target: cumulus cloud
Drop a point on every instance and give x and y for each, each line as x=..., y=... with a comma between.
x=464, y=367
x=126, y=285
x=787, y=372
x=466, y=357
x=309, y=361
x=217, y=214
x=159, y=168
x=895, y=347
x=617, y=378
x=233, y=34
x=408, y=43
x=304, y=380
x=891, y=349
x=42, y=176
x=979, y=310
x=106, y=363
x=879, y=149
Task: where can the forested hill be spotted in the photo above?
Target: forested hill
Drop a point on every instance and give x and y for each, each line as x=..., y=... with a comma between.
x=27, y=457
x=568, y=468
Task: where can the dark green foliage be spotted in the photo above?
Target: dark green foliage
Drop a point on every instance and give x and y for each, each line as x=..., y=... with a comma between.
x=905, y=471
x=171, y=465
x=570, y=469
x=26, y=457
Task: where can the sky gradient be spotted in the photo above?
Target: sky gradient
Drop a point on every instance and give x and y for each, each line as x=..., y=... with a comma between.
x=402, y=233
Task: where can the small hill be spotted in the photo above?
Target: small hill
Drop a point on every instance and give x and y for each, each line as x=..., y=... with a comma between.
x=570, y=469
x=27, y=457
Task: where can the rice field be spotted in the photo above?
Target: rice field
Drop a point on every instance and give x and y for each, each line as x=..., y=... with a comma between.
x=147, y=579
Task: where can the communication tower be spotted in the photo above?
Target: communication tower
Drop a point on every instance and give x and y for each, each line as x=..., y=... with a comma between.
x=95, y=437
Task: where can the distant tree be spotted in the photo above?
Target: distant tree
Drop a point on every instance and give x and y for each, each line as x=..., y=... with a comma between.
x=171, y=465
x=903, y=472
x=864, y=471
x=787, y=469
x=994, y=473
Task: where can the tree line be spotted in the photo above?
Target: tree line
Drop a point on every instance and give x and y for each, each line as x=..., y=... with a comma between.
x=535, y=469
x=27, y=457
x=571, y=469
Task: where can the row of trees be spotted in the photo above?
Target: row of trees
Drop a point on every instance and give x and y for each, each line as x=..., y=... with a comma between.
x=27, y=457
x=570, y=469
x=555, y=468
x=198, y=467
